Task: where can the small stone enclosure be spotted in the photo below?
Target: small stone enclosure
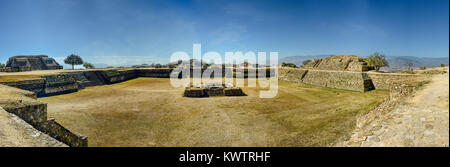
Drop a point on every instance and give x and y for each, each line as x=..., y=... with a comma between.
x=213, y=89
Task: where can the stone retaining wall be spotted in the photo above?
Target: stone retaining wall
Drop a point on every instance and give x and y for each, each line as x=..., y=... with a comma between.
x=35, y=114
x=358, y=81
x=387, y=80
x=207, y=92
x=336, y=79
x=59, y=84
x=155, y=73
x=35, y=85
x=57, y=131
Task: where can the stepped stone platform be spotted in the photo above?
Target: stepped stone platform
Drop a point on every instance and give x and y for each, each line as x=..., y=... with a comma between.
x=213, y=89
x=342, y=72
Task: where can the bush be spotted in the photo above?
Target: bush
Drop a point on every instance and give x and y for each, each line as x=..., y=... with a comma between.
x=88, y=65
x=73, y=60
x=288, y=65
x=442, y=65
x=377, y=60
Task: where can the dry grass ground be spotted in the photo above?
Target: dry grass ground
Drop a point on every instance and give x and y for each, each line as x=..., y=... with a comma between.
x=150, y=112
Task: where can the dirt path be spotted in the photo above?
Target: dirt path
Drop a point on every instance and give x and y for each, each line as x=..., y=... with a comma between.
x=423, y=120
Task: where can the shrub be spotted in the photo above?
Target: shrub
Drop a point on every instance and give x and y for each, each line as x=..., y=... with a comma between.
x=284, y=64
x=88, y=65
x=377, y=60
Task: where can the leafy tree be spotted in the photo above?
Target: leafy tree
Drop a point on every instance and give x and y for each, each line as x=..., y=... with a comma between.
x=284, y=64
x=377, y=60
x=410, y=65
x=73, y=60
x=442, y=65
x=2, y=65
x=306, y=62
x=88, y=65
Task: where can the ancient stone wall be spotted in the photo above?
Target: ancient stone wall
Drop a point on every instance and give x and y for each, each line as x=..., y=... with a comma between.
x=292, y=74
x=15, y=132
x=156, y=73
x=387, y=80
x=31, y=112
x=114, y=76
x=35, y=114
x=35, y=85
x=357, y=81
x=80, y=78
x=339, y=63
x=338, y=79
x=59, y=84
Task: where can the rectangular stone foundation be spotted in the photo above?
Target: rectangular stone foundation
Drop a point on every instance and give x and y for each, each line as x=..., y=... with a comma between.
x=215, y=91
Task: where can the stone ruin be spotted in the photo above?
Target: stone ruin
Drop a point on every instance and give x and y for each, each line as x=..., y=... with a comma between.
x=212, y=89
x=339, y=63
x=342, y=71
x=30, y=63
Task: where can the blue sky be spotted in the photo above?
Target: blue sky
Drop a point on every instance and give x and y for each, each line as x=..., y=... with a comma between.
x=125, y=32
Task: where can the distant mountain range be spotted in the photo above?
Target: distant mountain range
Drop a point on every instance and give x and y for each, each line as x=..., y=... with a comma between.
x=396, y=63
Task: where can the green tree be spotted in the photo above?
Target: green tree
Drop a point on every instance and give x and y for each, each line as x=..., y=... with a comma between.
x=73, y=60
x=377, y=60
x=442, y=65
x=88, y=65
x=2, y=65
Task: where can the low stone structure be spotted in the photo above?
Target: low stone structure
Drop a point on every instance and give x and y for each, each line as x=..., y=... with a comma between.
x=214, y=89
x=15, y=132
x=30, y=63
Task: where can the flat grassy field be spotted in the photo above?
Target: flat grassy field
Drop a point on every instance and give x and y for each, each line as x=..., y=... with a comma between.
x=150, y=112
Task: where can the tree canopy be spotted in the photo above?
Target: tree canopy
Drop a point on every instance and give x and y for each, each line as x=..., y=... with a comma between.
x=377, y=60
x=73, y=60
